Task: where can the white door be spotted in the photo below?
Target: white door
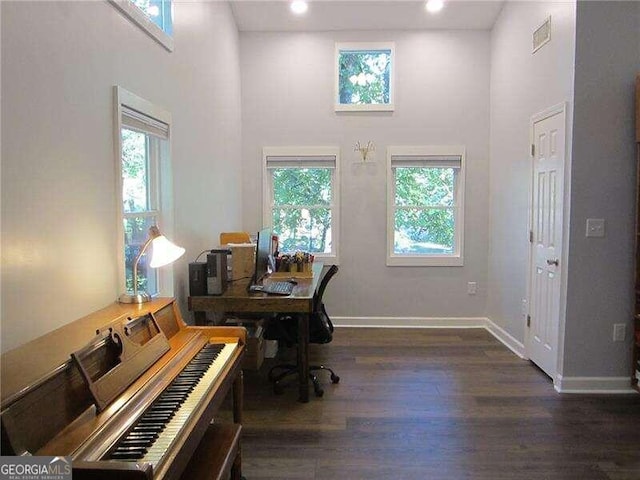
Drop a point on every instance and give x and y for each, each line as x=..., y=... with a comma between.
x=548, y=138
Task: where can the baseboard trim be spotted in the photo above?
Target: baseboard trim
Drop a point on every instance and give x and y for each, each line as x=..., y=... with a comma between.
x=410, y=322
x=594, y=385
x=507, y=339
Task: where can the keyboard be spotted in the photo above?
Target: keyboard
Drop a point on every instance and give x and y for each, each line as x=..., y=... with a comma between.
x=278, y=288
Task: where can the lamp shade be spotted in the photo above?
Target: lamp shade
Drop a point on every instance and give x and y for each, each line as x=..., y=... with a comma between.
x=164, y=252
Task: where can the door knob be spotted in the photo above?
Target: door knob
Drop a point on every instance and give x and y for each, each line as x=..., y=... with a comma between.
x=555, y=262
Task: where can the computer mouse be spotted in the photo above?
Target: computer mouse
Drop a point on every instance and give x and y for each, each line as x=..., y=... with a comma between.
x=293, y=281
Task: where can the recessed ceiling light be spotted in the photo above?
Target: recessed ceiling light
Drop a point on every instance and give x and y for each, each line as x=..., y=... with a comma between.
x=434, y=6
x=299, y=7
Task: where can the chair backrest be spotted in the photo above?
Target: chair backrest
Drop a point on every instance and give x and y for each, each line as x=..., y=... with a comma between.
x=320, y=325
x=317, y=298
x=234, y=237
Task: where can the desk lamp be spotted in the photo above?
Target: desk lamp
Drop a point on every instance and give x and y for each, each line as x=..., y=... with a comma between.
x=164, y=252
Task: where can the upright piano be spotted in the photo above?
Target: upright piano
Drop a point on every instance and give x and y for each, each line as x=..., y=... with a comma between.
x=128, y=392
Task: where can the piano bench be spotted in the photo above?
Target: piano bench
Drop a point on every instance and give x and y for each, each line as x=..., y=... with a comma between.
x=217, y=455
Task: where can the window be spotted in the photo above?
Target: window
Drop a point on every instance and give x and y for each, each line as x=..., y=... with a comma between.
x=425, y=205
x=155, y=17
x=144, y=178
x=302, y=199
x=364, y=76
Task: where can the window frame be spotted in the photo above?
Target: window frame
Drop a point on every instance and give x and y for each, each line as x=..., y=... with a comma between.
x=334, y=206
x=455, y=259
x=137, y=16
x=364, y=46
x=160, y=189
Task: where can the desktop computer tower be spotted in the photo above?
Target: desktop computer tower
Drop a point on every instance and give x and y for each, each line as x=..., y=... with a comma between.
x=197, y=279
x=217, y=272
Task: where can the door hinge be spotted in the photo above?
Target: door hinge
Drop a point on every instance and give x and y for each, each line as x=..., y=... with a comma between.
x=530, y=236
x=528, y=320
x=533, y=150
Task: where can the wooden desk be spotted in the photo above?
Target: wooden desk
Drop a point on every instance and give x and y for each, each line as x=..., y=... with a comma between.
x=237, y=299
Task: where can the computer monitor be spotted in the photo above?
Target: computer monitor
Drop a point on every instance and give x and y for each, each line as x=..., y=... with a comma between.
x=264, y=261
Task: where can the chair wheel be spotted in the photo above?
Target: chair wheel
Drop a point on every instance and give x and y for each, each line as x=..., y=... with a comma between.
x=335, y=378
x=277, y=389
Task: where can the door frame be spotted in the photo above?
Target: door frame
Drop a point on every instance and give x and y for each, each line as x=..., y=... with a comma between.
x=560, y=108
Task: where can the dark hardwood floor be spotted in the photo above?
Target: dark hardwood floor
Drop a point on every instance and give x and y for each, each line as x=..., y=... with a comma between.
x=434, y=404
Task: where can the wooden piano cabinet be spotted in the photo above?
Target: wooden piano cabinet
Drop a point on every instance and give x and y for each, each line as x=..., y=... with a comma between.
x=47, y=408
x=217, y=455
x=111, y=470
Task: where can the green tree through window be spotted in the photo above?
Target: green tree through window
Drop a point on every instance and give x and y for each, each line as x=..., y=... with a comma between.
x=302, y=199
x=301, y=213
x=425, y=205
x=364, y=76
x=424, y=210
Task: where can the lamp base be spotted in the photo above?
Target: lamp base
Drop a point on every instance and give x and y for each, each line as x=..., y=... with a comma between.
x=140, y=297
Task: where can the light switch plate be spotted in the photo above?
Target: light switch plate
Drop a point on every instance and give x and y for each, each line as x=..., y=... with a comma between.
x=595, y=227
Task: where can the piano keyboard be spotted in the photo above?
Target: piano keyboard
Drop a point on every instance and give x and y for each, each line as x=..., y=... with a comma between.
x=160, y=424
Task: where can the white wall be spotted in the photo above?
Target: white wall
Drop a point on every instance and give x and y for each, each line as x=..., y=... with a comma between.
x=600, y=284
x=522, y=84
x=442, y=97
x=60, y=61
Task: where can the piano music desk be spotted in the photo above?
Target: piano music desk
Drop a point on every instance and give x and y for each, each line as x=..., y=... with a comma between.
x=300, y=302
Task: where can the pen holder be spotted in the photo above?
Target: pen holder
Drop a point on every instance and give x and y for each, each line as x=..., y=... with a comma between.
x=298, y=265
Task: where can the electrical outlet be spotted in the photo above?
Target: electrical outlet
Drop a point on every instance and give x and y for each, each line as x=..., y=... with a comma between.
x=595, y=227
x=472, y=288
x=524, y=307
x=619, y=332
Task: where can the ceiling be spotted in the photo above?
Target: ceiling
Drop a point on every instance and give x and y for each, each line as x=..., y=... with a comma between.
x=331, y=15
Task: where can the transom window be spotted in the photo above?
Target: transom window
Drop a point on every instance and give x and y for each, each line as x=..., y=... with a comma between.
x=155, y=17
x=425, y=204
x=364, y=76
x=301, y=198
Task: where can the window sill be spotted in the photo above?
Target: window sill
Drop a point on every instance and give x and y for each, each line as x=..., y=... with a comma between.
x=327, y=259
x=378, y=107
x=425, y=261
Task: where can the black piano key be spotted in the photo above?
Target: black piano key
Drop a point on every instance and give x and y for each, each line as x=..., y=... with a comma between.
x=141, y=438
x=160, y=410
x=183, y=383
x=180, y=389
x=167, y=404
x=155, y=418
x=136, y=442
x=173, y=397
x=148, y=427
x=140, y=451
x=125, y=456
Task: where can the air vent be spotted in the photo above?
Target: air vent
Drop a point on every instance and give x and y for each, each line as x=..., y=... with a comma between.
x=542, y=35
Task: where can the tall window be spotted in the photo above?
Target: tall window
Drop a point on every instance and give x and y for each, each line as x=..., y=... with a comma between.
x=144, y=180
x=425, y=204
x=302, y=198
x=364, y=76
x=155, y=17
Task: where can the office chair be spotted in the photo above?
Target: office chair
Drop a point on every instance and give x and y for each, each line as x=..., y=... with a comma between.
x=320, y=331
